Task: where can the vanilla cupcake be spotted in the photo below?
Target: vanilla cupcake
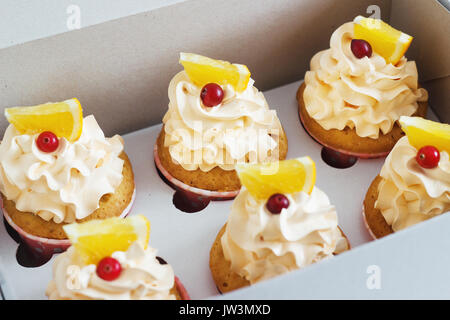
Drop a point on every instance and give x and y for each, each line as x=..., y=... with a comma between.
x=104, y=263
x=211, y=127
x=414, y=182
x=356, y=90
x=267, y=237
x=142, y=277
x=47, y=181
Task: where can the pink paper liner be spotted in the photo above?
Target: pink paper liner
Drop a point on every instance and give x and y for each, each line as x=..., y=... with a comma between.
x=45, y=246
x=349, y=245
x=196, y=192
x=346, y=152
x=367, y=225
x=181, y=289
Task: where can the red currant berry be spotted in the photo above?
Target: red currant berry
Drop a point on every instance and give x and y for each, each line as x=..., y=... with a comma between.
x=109, y=269
x=47, y=142
x=212, y=94
x=277, y=202
x=428, y=157
x=361, y=48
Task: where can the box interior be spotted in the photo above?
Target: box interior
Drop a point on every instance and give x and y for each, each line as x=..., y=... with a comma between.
x=184, y=240
x=120, y=71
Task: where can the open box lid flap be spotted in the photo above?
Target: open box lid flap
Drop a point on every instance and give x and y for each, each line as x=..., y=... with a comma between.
x=120, y=69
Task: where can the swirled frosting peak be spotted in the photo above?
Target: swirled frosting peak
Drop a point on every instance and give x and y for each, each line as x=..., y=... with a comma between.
x=261, y=245
x=64, y=185
x=204, y=138
x=142, y=278
x=366, y=94
x=408, y=193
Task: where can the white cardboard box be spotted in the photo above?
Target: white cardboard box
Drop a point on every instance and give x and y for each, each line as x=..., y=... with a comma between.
x=120, y=71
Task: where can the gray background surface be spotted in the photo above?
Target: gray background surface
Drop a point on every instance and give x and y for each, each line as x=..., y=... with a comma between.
x=26, y=20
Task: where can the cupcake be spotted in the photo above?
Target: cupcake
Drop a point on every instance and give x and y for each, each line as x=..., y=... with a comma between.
x=58, y=168
x=111, y=260
x=216, y=119
x=414, y=182
x=357, y=90
x=279, y=222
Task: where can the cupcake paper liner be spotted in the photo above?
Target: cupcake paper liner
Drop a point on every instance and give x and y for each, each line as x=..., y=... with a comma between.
x=181, y=289
x=195, y=193
x=45, y=246
x=346, y=152
x=367, y=225
x=349, y=246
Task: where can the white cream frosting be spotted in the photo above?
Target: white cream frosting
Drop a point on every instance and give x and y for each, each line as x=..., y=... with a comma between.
x=63, y=185
x=366, y=94
x=261, y=245
x=142, y=278
x=203, y=138
x=408, y=193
